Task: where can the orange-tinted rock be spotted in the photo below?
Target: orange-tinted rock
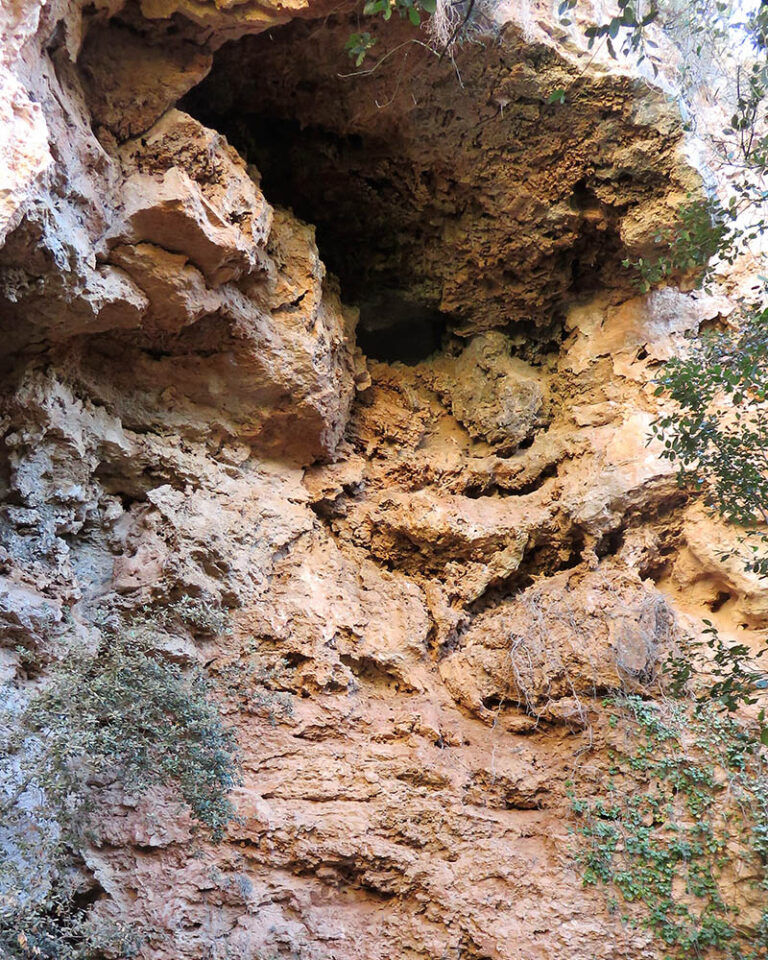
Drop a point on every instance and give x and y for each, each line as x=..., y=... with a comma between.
x=430, y=572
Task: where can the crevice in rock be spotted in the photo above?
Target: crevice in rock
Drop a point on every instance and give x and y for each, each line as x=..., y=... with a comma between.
x=525, y=488
x=129, y=489
x=598, y=248
x=9, y=496
x=720, y=601
x=663, y=520
x=370, y=670
x=548, y=555
x=610, y=543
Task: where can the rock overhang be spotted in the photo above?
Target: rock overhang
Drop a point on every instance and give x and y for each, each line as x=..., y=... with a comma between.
x=455, y=185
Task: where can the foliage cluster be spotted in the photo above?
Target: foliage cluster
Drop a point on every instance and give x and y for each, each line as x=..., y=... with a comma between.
x=703, y=229
x=60, y=930
x=717, y=430
x=734, y=675
x=682, y=812
x=360, y=44
x=117, y=714
x=628, y=27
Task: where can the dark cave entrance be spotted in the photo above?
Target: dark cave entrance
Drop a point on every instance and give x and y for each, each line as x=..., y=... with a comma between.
x=395, y=325
x=598, y=250
x=436, y=218
x=394, y=329
x=298, y=170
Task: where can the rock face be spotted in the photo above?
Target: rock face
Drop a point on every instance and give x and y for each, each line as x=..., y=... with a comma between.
x=432, y=570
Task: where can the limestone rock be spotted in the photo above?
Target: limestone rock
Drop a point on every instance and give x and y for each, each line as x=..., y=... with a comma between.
x=568, y=637
x=208, y=209
x=424, y=571
x=495, y=216
x=131, y=80
x=496, y=397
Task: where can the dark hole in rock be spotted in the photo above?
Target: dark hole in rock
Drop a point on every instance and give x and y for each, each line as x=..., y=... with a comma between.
x=293, y=165
x=419, y=199
x=598, y=247
x=392, y=328
x=494, y=702
x=720, y=601
x=597, y=250
x=582, y=198
x=610, y=543
x=89, y=894
x=537, y=482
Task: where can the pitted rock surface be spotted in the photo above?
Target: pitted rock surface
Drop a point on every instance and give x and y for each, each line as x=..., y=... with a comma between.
x=432, y=570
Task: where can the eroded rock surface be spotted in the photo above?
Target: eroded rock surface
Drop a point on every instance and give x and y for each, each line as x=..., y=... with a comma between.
x=460, y=188
x=431, y=571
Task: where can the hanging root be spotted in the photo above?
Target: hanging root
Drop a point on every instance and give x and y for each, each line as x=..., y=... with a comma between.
x=456, y=21
x=451, y=22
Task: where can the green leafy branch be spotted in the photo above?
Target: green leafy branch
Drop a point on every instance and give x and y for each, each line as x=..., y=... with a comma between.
x=717, y=432
x=359, y=45
x=729, y=676
x=685, y=796
x=704, y=228
x=627, y=27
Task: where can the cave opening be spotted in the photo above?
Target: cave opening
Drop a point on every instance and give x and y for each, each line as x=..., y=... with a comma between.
x=392, y=328
x=296, y=168
x=436, y=218
x=598, y=250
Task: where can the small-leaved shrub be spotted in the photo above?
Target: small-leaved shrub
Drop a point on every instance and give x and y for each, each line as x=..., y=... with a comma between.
x=681, y=815
x=702, y=230
x=117, y=714
x=716, y=428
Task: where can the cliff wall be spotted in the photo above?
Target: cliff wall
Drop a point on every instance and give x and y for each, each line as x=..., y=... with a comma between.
x=354, y=361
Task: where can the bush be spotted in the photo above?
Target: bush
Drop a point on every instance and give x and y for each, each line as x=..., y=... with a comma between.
x=717, y=431
x=680, y=815
x=114, y=714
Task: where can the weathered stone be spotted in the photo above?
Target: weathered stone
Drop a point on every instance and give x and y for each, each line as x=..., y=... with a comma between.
x=424, y=574
x=570, y=637
x=131, y=80
x=480, y=199
x=496, y=397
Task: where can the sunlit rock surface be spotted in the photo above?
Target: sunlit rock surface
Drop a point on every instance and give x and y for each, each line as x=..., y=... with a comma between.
x=442, y=555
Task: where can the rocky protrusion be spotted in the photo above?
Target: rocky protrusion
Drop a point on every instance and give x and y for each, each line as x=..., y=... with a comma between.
x=498, y=398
